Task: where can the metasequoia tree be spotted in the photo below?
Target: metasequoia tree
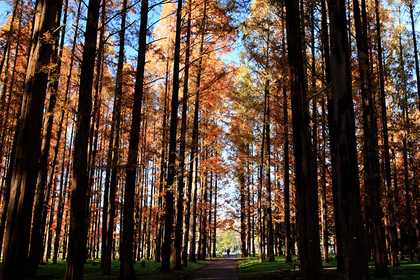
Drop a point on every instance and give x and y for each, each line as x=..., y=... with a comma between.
x=181, y=184
x=8, y=112
x=4, y=64
x=193, y=175
x=78, y=231
x=327, y=70
x=170, y=183
x=126, y=267
x=188, y=191
x=40, y=211
x=416, y=55
x=23, y=180
x=392, y=230
x=111, y=176
x=306, y=187
x=347, y=205
x=371, y=164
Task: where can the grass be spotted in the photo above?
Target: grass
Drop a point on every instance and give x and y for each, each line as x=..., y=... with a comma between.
x=92, y=271
x=406, y=270
x=249, y=267
x=252, y=266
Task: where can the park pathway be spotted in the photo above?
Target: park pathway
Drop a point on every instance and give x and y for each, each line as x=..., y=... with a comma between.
x=218, y=269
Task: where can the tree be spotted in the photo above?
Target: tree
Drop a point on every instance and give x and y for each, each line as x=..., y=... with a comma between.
x=371, y=164
x=306, y=187
x=40, y=211
x=112, y=172
x=77, y=233
x=126, y=267
x=387, y=162
x=169, y=196
x=181, y=184
x=347, y=205
x=23, y=180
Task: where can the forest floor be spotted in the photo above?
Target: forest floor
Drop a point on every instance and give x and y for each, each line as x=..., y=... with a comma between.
x=251, y=269
x=92, y=271
x=232, y=268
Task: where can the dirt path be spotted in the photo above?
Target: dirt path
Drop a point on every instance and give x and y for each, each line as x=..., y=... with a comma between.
x=218, y=269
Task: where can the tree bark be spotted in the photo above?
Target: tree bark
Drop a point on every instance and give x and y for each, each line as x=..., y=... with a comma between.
x=306, y=187
x=184, y=252
x=387, y=161
x=5, y=107
x=214, y=216
x=270, y=234
x=286, y=195
x=261, y=255
x=25, y=166
x=126, y=267
x=169, y=196
x=195, y=145
x=111, y=177
x=242, y=191
x=416, y=55
x=61, y=202
x=347, y=202
x=41, y=202
x=177, y=265
x=77, y=233
x=371, y=164
x=8, y=176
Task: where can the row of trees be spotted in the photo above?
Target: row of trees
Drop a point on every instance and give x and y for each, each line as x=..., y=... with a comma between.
x=100, y=182
x=120, y=132
x=355, y=176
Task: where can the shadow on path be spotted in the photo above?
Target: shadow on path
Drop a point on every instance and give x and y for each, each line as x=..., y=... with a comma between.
x=221, y=268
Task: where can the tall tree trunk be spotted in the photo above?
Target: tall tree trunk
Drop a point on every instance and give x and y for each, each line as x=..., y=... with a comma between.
x=194, y=149
x=61, y=199
x=169, y=196
x=5, y=107
x=6, y=49
x=209, y=228
x=214, y=217
x=41, y=202
x=8, y=175
x=111, y=177
x=347, y=202
x=25, y=166
x=387, y=162
x=261, y=255
x=270, y=234
x=77, y=233
x=324, y=207
x=286, y=195
x=163, y=167
x=182, y=148
x=416, y=55
x=306, y=187
x=126, y=267
x=327, y=62
x=247, y=210
x=177, y=265
x=371, y=164
x=94, y=123
x=242, y=191
x=203, y=212
x=8, y=183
